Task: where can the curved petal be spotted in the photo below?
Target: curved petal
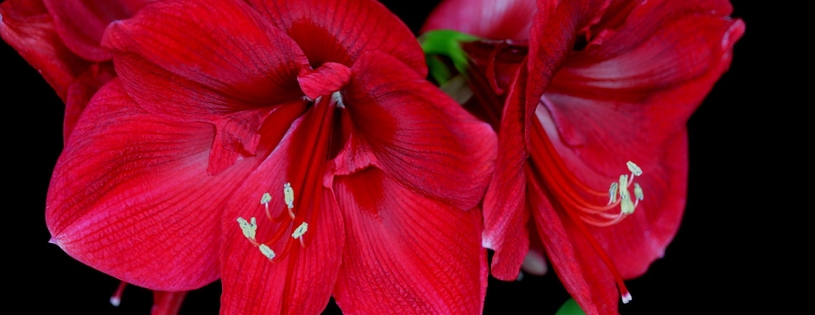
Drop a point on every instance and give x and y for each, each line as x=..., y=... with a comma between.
x=505, y=213
x=575, y=262
x=406, y=254
x=81, y=91
x=341, y=31
x=419, y=135
x=490, y=19
x=130, y=195
x=80, y=23
x=193, y=76
x=26, y=26
x=299, y=280
x=620, y=100
x=551, y=39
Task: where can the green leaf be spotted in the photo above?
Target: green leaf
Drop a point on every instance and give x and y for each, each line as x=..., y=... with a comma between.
x=446, y=43
x=570, y=308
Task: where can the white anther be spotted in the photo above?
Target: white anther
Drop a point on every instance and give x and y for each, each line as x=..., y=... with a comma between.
x=288, y=195
x=623, y=186
x=612, y=193
x=268, y=252
x=638, y=191
x=248, y=228
x=636, y=170
x=300, y=230
x=336, y=98
x=265, y=199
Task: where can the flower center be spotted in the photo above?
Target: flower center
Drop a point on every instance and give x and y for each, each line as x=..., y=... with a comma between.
x=580, y=202
x=302, y=195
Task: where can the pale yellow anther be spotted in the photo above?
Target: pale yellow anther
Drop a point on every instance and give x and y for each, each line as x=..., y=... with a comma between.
x=248, y=227
x=268, y=252
x=612, y=193
x=626, y=205
x=300, y=230
x=636, y=170
x=623, y=186
x=638, y=191
x=288, y=195
x=265, y=199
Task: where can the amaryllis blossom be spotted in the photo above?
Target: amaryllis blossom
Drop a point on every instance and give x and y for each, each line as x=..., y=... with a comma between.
x=592, y=100
x=292, y=148
x=61, y=39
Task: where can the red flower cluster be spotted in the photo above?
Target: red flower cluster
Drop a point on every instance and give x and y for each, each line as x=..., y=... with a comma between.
x=295, y=149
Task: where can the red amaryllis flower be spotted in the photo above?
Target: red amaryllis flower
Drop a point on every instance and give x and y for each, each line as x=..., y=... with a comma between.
x=61, y=39
x=598, y=84
x=293, y=148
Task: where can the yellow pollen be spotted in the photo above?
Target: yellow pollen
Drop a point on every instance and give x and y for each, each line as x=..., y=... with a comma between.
x=266, y=251
x=288, y=195
x=248, y=228
x=265, y=199
x=300, y=230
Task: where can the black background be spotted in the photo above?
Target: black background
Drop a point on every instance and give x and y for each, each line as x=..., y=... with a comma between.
x=718, y=261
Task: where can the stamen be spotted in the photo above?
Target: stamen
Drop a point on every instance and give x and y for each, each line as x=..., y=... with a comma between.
x=623, y=186
x=268, y=252
x=612, y=193
x=248, y=228
x=265, y=199
x=626, y=205
x=336, y=97
x=638, y=191
x=298, y=233
x=116, y=298
x=636, y=170
x=288, y=197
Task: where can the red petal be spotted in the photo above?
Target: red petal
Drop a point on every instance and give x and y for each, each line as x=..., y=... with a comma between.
x=26, y=26
x=419, y=135
x=341, y=31
x=627, y=96
x=228, y=74
x=505, y=214
x=81, y=91
x=642, y=237
x=575, y=262
x=326, y=79
x=302, y=281
x=130, y=195
x=490, y=19
x=406, y=254
x=620, y=100
x=80, y=23
x=551, y=39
